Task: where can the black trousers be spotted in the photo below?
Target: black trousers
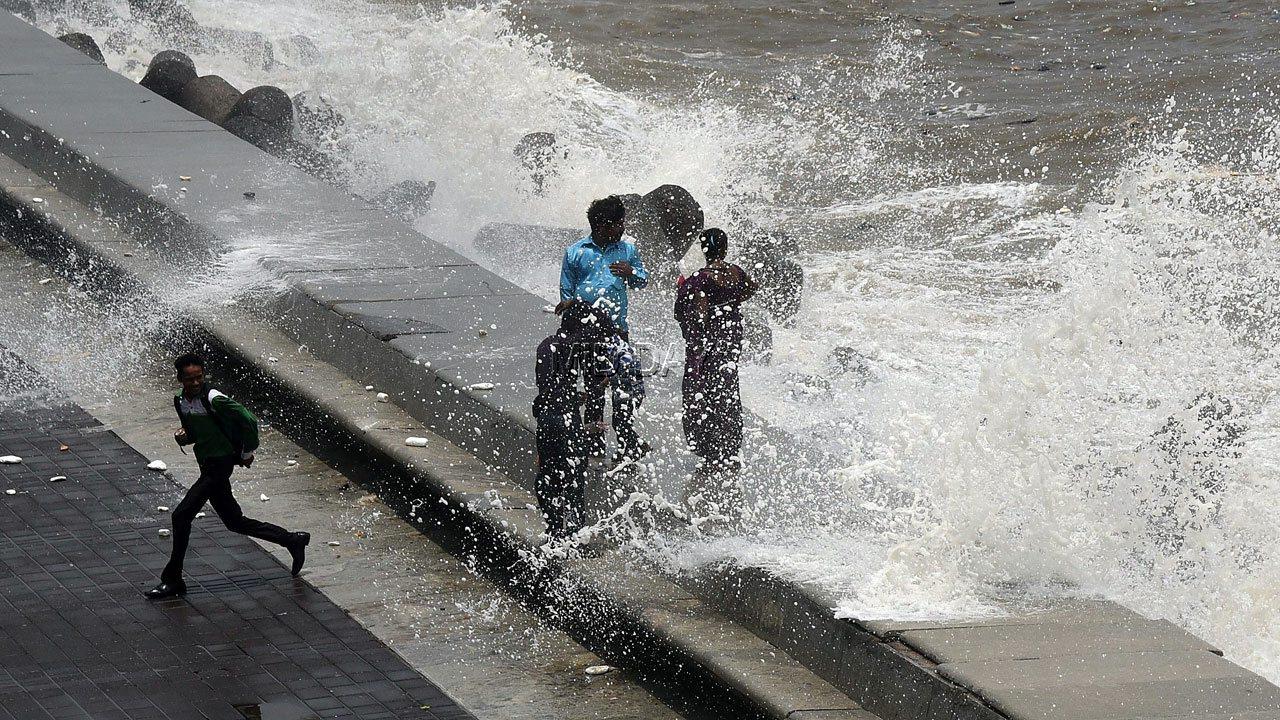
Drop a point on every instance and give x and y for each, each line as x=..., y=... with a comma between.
x=214, y=486
x=561, y=483
x=624, y=413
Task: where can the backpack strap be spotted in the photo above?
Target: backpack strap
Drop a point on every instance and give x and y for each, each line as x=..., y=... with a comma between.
x=177, y=407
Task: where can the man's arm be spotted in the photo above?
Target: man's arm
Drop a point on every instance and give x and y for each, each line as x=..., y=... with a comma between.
x=244, y=420
x=568, y=277
x=639, y=276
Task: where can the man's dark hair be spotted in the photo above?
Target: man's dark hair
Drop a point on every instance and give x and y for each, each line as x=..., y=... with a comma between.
x=186, y=360
x=606, y=210
x=715, y=243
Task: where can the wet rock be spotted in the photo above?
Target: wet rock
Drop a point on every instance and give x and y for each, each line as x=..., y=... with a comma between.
x=643, y=227
x=210, y=97
x=253, y=47
x=22, y=8
x=803, y=385
x=538, y=153
x=769, y=257
x=268, y=104
x=850, y=362
x=169, y=72
x=679, y=216
x=757, y=339
x=85, y=44
x=262, y=134
x=302, y=50
x=408, y=199
x=318, y=121
x=170, y=19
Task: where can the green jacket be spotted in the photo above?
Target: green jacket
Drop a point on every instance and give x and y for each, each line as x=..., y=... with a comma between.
x=231, y=430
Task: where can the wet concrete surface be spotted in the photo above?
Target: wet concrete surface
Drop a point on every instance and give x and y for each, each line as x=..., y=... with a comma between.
x=481, y=647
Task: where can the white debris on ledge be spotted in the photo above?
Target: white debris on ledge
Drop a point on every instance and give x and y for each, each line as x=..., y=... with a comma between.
x=46, y=281
x=383, y=397
x=368, y=388
x=57, y=478
x=600, y=669
x=334, y=543
x=157, y=465
x=164, y=532
x=290, y=463
x=415, y=441
x=480, y=386
x=10, y=491
x=10, y=459
x=162, y=508
x=263, y=497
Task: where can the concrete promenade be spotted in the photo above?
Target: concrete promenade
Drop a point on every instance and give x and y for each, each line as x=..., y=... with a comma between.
x=103, y=142
x=77, y=639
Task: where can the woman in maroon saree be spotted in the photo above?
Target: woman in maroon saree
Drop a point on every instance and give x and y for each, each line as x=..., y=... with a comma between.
x=707, y=308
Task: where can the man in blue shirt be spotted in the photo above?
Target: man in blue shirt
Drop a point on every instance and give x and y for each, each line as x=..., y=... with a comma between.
x=598, y=269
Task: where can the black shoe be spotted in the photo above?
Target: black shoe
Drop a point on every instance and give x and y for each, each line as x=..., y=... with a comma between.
x=298, y=549
x=166, y=590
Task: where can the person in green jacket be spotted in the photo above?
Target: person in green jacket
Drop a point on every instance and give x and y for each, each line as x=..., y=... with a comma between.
x=224, y=434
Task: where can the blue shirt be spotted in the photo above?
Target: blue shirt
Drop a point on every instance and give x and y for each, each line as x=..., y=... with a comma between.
x=585, y=275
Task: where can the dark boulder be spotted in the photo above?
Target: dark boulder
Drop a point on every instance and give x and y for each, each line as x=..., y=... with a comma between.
x=210, y=97
x=175, y=56
x=757, y=339
x=770, y=258
x=538, y=153
x=678, y=215
x=643, y=227
x=253, y=47
x=267, y=104
x=169, y=19
x=302, y=50
x=266, y=136
x=847, y=361
x=22, y=8
x=169, y=72
x=781, y=288
x=85, y=44
x=408, y=199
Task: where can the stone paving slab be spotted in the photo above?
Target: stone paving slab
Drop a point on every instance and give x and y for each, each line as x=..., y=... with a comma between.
x=1110, y=686
x=1022, y=641
x=78, y=640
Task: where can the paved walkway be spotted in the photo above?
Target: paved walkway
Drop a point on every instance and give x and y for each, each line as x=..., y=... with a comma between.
x=78, y=640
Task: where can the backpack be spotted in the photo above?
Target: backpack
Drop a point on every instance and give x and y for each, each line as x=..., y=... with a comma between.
x=229, y=432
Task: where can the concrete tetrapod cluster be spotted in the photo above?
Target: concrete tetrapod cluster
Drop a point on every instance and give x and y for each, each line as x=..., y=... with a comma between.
x=304, y=130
